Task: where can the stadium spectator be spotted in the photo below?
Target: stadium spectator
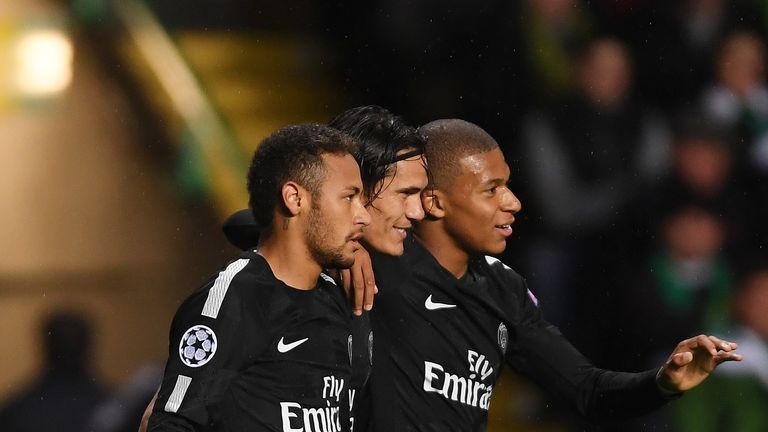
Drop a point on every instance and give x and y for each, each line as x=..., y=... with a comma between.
x=551, y=32
x=738, y=98
x=585, y=160
x=735, y=399
x=64, y=397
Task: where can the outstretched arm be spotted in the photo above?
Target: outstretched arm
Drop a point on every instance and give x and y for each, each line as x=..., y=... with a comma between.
x=693, y=361
x=600, y=395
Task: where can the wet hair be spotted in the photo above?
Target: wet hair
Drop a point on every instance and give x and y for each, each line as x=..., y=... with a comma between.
x=293, y=153
x=381, y=137
x=448, y=141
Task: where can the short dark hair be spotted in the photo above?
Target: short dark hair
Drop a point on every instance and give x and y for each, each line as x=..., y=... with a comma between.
x=293, y=153
x=448, y=141
x=380, y=136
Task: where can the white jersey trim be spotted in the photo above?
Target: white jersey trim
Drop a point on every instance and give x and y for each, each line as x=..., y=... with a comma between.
x=327, y=278
x=491, y=261
x=220, y=286
x=177, y=396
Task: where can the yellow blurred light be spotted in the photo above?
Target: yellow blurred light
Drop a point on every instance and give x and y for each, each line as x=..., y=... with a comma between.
x=44, y=59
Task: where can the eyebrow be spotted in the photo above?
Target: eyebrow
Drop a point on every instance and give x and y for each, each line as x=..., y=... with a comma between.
x=409, y=190
x=495, y=181
x=354, y=189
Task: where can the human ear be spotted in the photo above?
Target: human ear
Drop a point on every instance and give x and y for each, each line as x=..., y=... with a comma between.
x=432, y=201
x=292, y=195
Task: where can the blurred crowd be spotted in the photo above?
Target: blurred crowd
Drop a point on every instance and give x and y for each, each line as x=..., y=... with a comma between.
x=67, y=394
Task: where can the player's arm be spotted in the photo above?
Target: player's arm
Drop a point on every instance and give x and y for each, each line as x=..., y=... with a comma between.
x=207, y=349
x=147, y=412
x=359, y=282
x=542, y=353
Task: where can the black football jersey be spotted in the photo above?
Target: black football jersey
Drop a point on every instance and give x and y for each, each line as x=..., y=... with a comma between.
x=356, y=414
x=249, y=353
x=441, y=343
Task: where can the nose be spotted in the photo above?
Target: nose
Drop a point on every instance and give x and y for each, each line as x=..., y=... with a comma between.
x=413, y=209
x=510, y=203
x=362, y=217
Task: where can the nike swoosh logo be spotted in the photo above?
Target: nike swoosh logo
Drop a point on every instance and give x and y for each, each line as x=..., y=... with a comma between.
x=284, y=347
x=430, y=305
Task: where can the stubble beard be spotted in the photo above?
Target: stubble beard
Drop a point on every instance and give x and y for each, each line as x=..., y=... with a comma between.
x=317, y=235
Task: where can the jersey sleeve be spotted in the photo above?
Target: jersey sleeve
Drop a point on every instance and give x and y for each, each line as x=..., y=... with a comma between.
x=539, y=351
x=213, y=335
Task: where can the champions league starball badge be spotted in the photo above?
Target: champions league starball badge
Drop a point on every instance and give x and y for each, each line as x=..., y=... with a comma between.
x=197, y=346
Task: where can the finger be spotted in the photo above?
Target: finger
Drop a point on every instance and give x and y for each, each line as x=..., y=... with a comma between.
x=346, y=282
x=358, y=282
x=678, y=360
x=724, y=356
x=723, y=344
x=720, y=344
x=370, y=284
x=706, y=343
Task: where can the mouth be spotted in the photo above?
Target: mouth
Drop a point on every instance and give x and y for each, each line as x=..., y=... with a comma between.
x=505, y=229
x=402, y=231
x=356, y=237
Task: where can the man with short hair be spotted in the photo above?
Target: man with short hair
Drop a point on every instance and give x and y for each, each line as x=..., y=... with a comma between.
x=265, y=344
x=449, y=315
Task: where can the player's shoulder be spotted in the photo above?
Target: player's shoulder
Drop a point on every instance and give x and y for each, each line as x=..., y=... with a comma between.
x=248, y=270
x=414, y=257
x=498, y=269
x=246, y=278
x=328, y=288
x=506, y=280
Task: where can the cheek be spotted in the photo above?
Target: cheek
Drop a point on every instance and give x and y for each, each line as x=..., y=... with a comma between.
x=468, y=223
x=392, y=208
x=378, y=219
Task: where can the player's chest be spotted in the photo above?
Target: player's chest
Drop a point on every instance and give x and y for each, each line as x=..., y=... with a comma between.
x=442, y=322
x=309, y=337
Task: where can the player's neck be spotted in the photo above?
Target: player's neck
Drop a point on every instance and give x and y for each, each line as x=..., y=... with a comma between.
x=287, y=254
x=444, y=248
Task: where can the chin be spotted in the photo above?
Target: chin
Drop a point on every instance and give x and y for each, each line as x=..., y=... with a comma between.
x=344, y=262
x=495, y=249
x=394, y=248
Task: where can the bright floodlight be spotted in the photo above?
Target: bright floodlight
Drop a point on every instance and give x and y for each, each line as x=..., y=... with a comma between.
x=44, y=63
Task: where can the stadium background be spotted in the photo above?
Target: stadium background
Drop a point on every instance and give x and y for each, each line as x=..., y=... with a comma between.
x=635, y=130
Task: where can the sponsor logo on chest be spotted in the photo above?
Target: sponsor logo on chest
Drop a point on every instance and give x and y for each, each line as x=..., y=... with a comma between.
x=298, y=418
x=470, y=389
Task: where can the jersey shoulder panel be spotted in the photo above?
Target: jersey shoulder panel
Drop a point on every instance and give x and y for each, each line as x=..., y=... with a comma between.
x=329, y=288
x=510, y=288
x=509, y=278
x=243, y=282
